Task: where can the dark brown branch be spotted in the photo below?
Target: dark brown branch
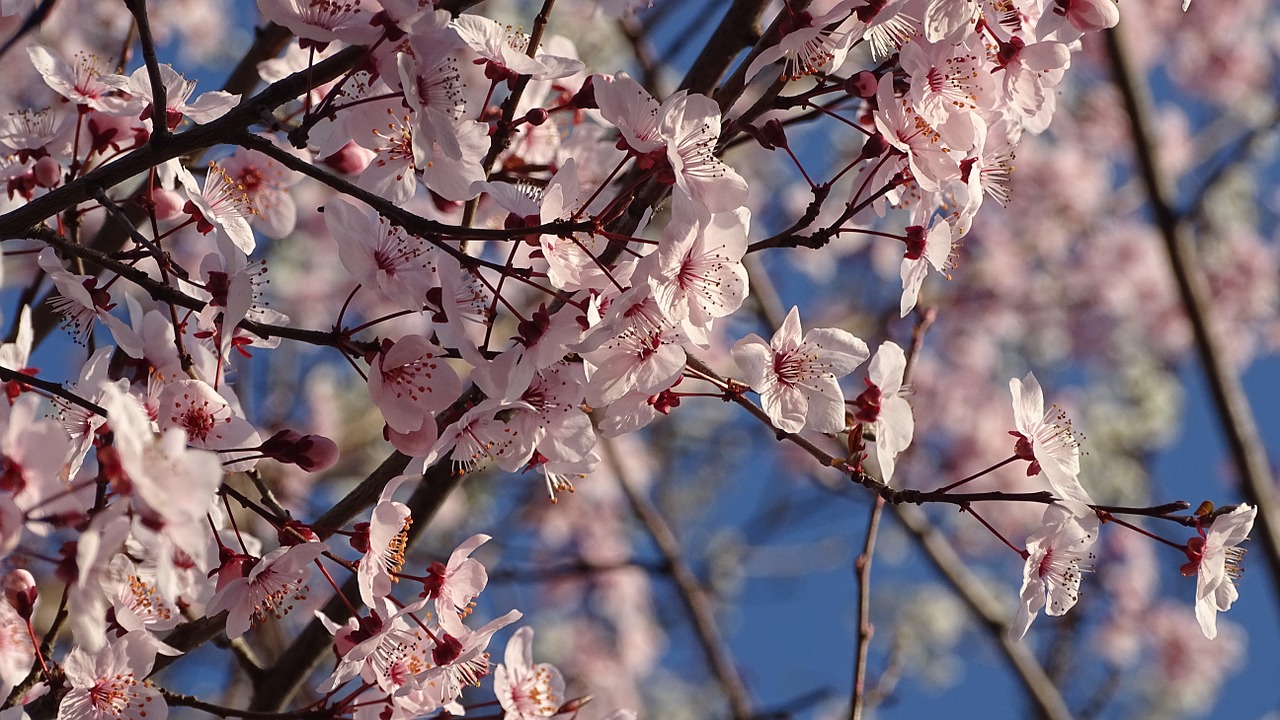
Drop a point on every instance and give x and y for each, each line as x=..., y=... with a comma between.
x=19, y=222
x=1229, y=399
x=7, y=375
x=160, y=132
x=738, y=30
x=161, y=292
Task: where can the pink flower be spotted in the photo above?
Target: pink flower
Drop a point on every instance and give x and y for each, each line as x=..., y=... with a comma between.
x=698, y=275
x=526, y=690
x=266, y=183
x=381, y=256
x=1072, y=18
x=33, y=453
x=323, y=21
x=108, y=685
x=17, y=654
x=691, y=124
x=220, y=204
x=410, y=381
x=1047, y=440
x=882, y=405
x=812, y=44
x=503, y=50
x=81, y=301
x=171, y=482
x=626, y=104
x=1215, y=560
x=1056, y=555
x=456, y=585
x=796, y=377
x=923, y=251
x=276, y=582
x=208, y=106
x=384, y=556
x=82, y=85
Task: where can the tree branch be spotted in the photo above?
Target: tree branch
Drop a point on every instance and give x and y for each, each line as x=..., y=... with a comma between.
x=1229, y=399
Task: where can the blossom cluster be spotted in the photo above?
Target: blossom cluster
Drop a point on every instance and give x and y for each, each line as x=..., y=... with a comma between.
x=529, y=256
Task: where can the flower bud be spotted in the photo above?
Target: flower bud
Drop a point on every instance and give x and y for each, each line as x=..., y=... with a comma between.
x=20, y=591
x=537, y=116
x=48, y=172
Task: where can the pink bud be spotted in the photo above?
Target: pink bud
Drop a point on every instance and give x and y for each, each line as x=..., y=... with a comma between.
x=350, y=160
x=537, y=116
x=48, y=172
x=168, y=203
x=585, y=99
x=862, y=84
x=21, y=592
x=315, y=453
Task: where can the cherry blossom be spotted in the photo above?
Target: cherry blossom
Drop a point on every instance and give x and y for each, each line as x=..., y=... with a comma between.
x=796, y=376
x=276, y=582
x=108, y=685
x=1057, y=554
x=81, y=301
x=1047, y=440
x=526, y=690
x=930, y=161
x=33, y=451
x=1214, y=558
x=82, y=85
x=923, y=251
x=323, y=21
x=220, y=204
x=410, y=382
x=17, y=654
x=455, y=585
x=628, y=106
x=698, y=274
x=178, y=90
x=812, y=44
x=882, y=405
x=380, y=255
x=211, y=420
x=170, y=482
x=505, y=51
x=386, y=541
x=266, y=183
x=691, y=125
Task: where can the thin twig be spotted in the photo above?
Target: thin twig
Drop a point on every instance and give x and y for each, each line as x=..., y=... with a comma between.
x=863, y=567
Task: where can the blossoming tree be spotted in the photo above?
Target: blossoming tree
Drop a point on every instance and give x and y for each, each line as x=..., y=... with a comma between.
x=327, y=387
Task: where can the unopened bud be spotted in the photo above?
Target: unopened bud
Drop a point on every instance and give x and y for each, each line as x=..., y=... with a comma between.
x=47, y=171
x=537, y=116
x=874, y=147
x=862, y=84
x=20, y=591
x=352, y=159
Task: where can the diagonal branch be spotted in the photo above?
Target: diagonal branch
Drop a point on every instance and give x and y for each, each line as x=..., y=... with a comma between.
x=690, y=590
x=1229, y=399
x=986, y=608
